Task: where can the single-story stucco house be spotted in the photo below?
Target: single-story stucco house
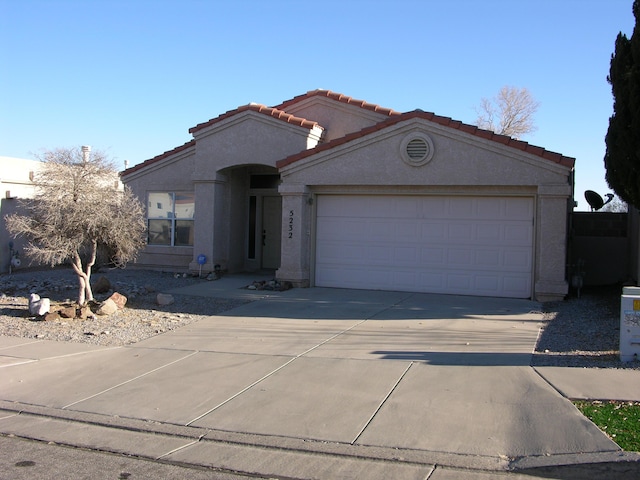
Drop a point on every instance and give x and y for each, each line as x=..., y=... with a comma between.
x=330, y=191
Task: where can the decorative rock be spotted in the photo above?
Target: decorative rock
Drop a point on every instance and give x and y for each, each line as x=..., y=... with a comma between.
x=119, y=299
x=51, y=316
x=68, y=312
x=164, y=299
x=102, y=285
x=108, y=307
x=84, y=313
x=43, y=307
x=34, y=298
x=38, y=306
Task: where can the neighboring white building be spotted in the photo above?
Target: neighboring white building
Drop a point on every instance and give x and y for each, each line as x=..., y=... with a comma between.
x=15, y=185
x=330, y=191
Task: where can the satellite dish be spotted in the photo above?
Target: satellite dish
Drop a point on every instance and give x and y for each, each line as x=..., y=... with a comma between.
x=594, y=200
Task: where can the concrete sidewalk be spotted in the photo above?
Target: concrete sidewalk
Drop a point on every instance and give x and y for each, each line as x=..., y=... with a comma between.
x=321, y=383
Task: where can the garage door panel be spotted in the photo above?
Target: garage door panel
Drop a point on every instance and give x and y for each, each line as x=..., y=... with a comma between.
x=461, y=207
x=434, y=208
x=406, y=255
x=488, y=284
x=518, y=234
x=518, y=208
x=341, y=252
x=405, y=231
x=378, y=254
x=405, y=279
x=433, y=256
x=488, y=207
x=466, y=245
x=459, y=282
x=460, y=257
x=433, y=231
x=460, y=233
x=489, y=258
x=513, y=285
x=517, y=259
x=335, y=230
x=489, y=232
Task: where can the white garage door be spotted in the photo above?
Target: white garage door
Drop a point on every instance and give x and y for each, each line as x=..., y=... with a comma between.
x=438, y=244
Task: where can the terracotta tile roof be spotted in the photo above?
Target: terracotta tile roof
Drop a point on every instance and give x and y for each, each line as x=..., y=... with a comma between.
x=340, y=98
x=279, y=113
x=445, y=121
x=270, y=111
x=157, y=158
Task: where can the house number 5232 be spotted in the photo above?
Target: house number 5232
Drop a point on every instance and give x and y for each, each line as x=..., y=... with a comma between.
x=290, y=233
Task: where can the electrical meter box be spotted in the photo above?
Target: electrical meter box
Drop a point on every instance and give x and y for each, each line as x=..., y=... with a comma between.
x=630, y=324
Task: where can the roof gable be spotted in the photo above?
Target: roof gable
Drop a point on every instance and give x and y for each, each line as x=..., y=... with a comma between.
x=392, y=117
x=444, y=121
x=263, y=109
x=158, y=158
x=339, y=98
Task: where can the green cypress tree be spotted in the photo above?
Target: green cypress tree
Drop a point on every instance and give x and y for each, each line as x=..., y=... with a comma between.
x=622, y=157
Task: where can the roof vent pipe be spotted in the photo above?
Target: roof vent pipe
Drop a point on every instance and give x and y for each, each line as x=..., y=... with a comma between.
x=86, y=151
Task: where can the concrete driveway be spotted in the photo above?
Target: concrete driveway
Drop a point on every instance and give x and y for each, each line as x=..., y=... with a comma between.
x=446, y=375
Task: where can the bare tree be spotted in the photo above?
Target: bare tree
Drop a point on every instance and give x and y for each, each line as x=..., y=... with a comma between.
x=510, y=112
x=77, y=209
x=616, y=205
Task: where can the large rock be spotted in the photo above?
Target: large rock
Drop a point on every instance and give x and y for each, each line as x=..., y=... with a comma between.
x=34, y=298
x=38, y=306
x=164, y=299
x=119, y=299
x=108, y=307
x=84, y=312
x=68, y=312
x=102, y=285
x=52, y=316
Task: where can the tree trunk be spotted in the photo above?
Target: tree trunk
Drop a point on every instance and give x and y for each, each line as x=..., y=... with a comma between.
x=87, y=271
x=85, y=293
x=82, y=279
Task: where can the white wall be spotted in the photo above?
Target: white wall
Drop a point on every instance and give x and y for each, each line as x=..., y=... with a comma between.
x=15, y=187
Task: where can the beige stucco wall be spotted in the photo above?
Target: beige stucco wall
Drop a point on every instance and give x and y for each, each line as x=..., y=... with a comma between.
x=226, y=154
x=461, y=164
x=15, y=188
x=338, y=119
x=173, y=174
x=459, y=159
x=218, y=167
x=248, y=138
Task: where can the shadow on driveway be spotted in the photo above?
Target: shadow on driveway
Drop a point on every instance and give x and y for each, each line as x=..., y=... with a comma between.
x=599, y=471
x=483, y=359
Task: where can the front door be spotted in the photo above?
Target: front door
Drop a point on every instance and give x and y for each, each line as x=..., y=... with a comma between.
x=271, y=232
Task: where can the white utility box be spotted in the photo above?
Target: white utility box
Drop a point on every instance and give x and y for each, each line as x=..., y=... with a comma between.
x=630, y=324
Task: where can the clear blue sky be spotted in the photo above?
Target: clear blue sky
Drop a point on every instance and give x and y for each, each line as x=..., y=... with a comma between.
x=131, y=77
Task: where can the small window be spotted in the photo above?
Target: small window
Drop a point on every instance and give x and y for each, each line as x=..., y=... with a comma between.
x=170, y=219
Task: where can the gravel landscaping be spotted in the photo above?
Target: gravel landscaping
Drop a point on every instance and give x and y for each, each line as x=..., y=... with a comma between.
x=577, y=332
x=582, y=332
x=141, y=318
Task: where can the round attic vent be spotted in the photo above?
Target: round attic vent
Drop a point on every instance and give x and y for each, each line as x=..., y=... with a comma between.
x=417, y=149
